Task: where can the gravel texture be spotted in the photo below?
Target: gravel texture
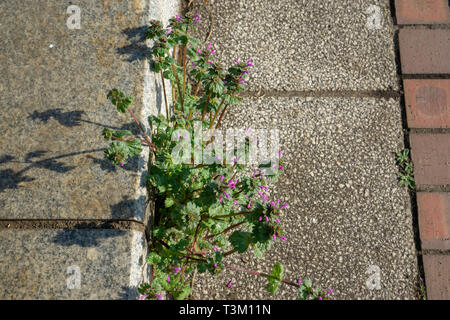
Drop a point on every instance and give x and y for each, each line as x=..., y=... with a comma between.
x=346, y=211
x=306, y=45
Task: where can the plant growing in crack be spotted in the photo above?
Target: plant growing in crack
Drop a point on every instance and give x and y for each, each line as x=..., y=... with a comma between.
x=207, y=212
x=406, y=174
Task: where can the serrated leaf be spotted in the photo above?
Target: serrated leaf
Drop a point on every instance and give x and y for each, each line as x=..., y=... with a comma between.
x=240, y=240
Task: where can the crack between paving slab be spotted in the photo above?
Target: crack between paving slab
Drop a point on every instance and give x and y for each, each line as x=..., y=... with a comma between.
x=73, y=224
x=441, y=26
x=380, y=94
x=430, y=130
x=406, y=142
x=436, y=252
x=433, y=188
x=426, y=76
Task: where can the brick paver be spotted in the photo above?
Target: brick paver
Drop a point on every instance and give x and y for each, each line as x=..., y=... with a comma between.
x=434, y=220
x=422, y=11
x=425, y=51
x=431, y=157
x=437, y=271
x=427, y=103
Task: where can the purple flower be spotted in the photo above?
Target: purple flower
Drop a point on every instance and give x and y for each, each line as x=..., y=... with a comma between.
x=272, y=204
x=199, y=51
x=122, y=164
x=209, y=45
x=260, y=218
x=320, y=298
x=178, y=18
x=330, y=291
x=242, y=80
x=283, y=238
x=277, y=220
x=176, y=270
x=215, y=249
x=220, y=199
x=280, y=153
x=274, y=237
x=236, y=60
x=221, y=178
x=215, y=265
x=143, y=297
x=226, y=195
x=235, y=202
x=230, y=284
x=250, y=202
x=267, y=219
x=281, y=168
x=299, y=282
x=196, y=19
x=168, y=278
x=284, y=206
x=250, y=63
x=169, y=30
x=209, y=62
x=158, y=296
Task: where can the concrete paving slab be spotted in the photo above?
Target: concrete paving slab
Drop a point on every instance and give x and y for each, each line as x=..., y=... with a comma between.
x=347, y=221
x=71, y=264
x=53, y=95
x=306, y=45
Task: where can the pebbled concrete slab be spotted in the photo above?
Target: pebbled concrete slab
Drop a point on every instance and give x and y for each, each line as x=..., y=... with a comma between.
x=54, y=106
x=346, y=211
x=307, y=45
x=71, y=264
x=53, y=92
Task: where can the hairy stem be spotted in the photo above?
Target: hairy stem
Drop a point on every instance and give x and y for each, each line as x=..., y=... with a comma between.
x=165, y=95
x=265, y=275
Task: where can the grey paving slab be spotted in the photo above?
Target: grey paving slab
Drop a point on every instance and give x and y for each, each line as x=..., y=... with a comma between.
x=346, y=211
x=307, y=45
x=71, y=264
x=54, y=107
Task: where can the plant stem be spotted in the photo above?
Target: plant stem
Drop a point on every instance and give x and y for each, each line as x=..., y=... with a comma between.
x=217, y=112
x=179, y=86
x=165, y=95
x=142, y=129
x=205, y=108
x=265, y=275
x=221, y=116
x=232, y=215
x=226, y=230
x=184, y=71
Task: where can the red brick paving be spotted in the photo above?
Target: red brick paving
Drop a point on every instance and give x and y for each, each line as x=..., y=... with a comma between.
x=422, y=11
x=431, y=157
x=437, y=276
x=427, y=103
x=425, y=51
x=434, y=220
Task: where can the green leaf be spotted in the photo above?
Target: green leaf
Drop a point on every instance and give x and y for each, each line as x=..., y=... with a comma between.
x=278, y=271
x=183, y=294
x=153, y=257
x=169, y=202
x=240, y=240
